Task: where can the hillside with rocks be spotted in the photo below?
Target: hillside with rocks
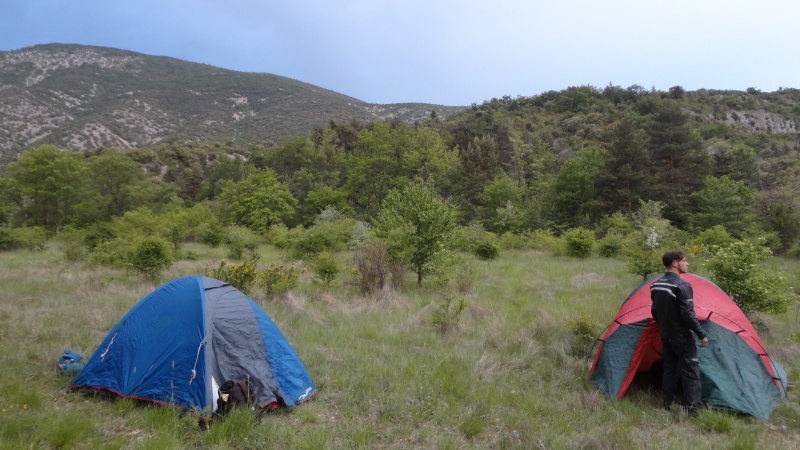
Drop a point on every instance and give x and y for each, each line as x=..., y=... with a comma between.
x=82, y=97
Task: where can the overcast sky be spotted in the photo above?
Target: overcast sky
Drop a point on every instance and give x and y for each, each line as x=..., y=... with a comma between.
x=448, y=52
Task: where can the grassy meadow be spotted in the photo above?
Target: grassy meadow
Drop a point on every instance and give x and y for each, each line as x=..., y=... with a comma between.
x=511, y=372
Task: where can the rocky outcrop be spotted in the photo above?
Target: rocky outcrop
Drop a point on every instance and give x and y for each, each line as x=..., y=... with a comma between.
x=761, y=121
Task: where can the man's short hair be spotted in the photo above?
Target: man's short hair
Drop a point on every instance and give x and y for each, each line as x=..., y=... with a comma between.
x=670, y=257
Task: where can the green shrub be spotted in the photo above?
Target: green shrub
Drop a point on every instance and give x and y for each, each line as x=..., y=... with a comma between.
x=329, y=214
x=448, y=314
x=371, y=267
x=98, y=234
x=542, y=239
x=610, y=246
x=151, y=256
x=511, y=241
x=74, y=251
x=278, y=278
x=242, y=276
x=361, y=235
x=211, y=233
x=116, y=252
x=486, y=251
x=794, y=252
x=464, y=238
x=714, y=236
x=326, y=267
x=28, y=238
x=240, y=239
x=465, y=275
x=332, y=236
x=584, y=331
x=6, y=239
x=578, y=242
x=736, y=271
x=278, y=235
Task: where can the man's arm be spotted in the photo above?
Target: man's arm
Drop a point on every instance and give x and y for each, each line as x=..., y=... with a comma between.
x=686, y=306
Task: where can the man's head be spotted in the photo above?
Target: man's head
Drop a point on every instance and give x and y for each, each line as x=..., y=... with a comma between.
x=675, y=261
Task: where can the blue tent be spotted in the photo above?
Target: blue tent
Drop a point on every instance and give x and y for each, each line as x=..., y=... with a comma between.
x=188, y=337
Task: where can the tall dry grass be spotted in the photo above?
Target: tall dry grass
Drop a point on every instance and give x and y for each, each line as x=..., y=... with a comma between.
x=509, y=375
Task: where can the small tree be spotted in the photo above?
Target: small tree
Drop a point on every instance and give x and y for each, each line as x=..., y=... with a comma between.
x=644, y=259
x=151, y=256
x=417, y=225
x=736, y=271
x=644, y=262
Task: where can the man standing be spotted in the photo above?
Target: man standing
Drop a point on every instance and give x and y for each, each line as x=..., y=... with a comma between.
x=673, y=310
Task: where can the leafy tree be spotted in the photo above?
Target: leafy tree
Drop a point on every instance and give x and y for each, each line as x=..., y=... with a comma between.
x=722, y=201
x=480, y=161
x=680, y=162
x=427, y=158
x=714, y=236
x=308, y=164
x=676, y=92
x=115, y=184
x=498, y=208
x=374, y=168
x=317, y=201
x=738, y=162
x=417, y=224
x=625, y=178
x=735, y=268
x=779, y=212
x=576, y=199
x=643, y=261
x=390, y=155
x=45, y=186
x=226, y=169
x=258, y=201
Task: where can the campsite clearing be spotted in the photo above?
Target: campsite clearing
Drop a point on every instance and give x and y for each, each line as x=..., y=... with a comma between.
x=513, y=372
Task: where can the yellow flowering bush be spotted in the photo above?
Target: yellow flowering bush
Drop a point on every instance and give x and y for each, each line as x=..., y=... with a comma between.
x=242, y=276
x=279, y=278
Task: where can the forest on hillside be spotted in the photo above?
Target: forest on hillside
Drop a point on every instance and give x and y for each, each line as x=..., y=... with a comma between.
x=582, y=158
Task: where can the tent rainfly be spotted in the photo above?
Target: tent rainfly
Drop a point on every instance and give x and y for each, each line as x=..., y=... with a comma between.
x=736, y=372
x=188, y=337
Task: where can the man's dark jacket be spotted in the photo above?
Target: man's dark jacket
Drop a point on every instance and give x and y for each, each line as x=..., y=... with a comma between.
x=673, y=308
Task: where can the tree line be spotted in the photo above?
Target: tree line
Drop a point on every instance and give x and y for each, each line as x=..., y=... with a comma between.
x=605, y=160
x=554, y=161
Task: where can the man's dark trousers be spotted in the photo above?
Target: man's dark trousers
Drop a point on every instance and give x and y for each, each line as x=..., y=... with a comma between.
x=681, y=364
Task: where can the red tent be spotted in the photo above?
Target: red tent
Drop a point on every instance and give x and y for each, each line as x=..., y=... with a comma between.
x=736, y=370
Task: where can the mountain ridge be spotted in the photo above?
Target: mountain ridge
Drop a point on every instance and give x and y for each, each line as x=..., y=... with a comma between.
x=80, y=97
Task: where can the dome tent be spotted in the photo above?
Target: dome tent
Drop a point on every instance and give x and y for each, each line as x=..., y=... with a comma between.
x=736, y=372
x=186, y=338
